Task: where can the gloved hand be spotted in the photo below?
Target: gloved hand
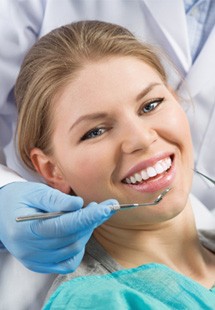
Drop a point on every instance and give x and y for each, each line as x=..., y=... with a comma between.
x=54, y=245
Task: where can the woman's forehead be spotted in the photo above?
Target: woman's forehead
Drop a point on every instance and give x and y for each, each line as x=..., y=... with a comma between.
x=109, y=76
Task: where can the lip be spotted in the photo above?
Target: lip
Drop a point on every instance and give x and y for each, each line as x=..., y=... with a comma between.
x=160, y=182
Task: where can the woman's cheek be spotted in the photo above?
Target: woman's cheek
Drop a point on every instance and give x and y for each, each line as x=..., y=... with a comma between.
x=175, y=124
x=86, y=169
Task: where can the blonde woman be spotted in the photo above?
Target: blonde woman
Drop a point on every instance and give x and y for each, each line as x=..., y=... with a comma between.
x=98, y=119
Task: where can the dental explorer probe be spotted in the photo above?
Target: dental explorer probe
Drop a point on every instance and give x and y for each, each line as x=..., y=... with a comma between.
x=116, y=207
x=200, y=173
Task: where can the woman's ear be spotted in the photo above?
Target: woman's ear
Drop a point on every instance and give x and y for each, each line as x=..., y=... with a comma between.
x=48, y=169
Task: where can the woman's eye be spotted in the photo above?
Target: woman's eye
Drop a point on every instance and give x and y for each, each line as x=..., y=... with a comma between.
x=153, y=104
x=93, y=133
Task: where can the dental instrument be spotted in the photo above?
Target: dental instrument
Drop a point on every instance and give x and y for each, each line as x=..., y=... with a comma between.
x=213, y=181
x=116, y=207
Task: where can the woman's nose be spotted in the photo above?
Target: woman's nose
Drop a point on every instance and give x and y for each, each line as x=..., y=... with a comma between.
x=138, y=136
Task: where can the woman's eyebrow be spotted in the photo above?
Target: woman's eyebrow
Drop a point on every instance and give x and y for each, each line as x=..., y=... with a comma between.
x=146, y=90
x=96, y=116
x=91, y=116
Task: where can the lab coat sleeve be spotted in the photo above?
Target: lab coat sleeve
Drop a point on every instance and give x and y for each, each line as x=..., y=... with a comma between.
x=8, y=176
x=20, y=23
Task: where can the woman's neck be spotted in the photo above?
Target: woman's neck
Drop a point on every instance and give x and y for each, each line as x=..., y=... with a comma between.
x=174, y=243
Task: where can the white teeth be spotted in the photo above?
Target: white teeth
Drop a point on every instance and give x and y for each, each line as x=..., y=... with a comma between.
x=150, y=172
x=133, y=180
x=168, y=161
x=159, y=168
x=164, y=164
x=144, y=175
x=138, y=177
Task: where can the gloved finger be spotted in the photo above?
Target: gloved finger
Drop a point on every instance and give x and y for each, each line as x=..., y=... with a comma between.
x=63, y=267
x=51, y=200
x=57, y=254
x=72, y=250
x=39, y=196
x=53, y=244
x=70, y=223
x=71, y=264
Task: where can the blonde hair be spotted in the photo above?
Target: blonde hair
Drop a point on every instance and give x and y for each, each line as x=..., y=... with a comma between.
x=55, y=60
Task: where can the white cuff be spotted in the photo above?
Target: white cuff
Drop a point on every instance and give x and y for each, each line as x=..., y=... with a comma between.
x=9, y=176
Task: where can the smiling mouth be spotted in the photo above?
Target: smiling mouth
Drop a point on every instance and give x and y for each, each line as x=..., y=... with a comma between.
x=150, y=172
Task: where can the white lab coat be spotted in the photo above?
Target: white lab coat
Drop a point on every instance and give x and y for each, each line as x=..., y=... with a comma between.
x=159, y=22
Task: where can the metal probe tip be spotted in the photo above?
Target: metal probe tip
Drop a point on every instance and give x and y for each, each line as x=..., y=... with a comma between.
x=145, y=204
x=160, y=197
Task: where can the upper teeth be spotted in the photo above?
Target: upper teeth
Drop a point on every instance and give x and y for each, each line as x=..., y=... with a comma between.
x=149, y=172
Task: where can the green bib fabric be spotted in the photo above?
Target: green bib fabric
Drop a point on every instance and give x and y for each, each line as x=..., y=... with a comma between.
x=150, y=286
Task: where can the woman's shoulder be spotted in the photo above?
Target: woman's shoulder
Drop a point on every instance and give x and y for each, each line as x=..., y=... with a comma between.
x=96, y=261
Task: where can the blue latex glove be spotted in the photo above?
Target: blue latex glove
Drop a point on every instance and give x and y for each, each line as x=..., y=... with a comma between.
x=55, y=245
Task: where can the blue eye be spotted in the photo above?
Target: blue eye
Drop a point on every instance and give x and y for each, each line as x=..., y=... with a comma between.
x=152, y=105
x=93, y=133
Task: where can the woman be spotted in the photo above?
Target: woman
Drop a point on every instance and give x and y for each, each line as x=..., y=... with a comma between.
x=98, y=119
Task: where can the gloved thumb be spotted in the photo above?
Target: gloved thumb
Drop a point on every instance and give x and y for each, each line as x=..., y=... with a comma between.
x=74, y=222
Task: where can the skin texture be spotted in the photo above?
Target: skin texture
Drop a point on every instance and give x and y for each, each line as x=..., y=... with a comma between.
x=93, y=155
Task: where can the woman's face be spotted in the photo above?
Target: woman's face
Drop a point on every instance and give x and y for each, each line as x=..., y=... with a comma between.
x=121, y=133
